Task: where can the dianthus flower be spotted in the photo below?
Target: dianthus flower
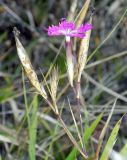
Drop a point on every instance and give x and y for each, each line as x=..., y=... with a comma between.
x=68, y=29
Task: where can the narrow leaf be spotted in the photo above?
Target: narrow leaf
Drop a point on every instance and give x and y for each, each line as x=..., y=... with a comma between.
x=72, y=154
x=111, y=141
x=91, y=129
x=103, y=132
x=123, y=151
x=33, y=130
x=87, y=135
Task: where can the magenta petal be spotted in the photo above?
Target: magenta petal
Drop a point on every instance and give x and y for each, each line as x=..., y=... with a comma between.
x=53, y=30
x=66, y=25
x=85, y=27
x=68, y=29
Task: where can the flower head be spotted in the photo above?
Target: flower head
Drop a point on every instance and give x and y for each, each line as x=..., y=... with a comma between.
x=68, y=29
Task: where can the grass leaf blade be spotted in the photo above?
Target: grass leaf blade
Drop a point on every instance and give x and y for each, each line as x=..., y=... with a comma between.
x=33, y=130
x=87, y=135
x=111, y=141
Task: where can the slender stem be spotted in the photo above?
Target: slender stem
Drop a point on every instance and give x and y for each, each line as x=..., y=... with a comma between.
x=72, y=138
x=25, y=98
x=77, y=129
x=81, y=122
x=79, y=110
x=53, y=108
x=78, y=90
x=67, y=131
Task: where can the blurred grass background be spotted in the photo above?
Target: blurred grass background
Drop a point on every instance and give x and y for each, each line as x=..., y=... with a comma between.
x=32, y=17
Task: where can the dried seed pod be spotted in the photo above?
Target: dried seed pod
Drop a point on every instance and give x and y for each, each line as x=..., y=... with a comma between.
x=82, y=14
x=54, y=84
x=28, y=66
x=53, y=88
x=83, y=51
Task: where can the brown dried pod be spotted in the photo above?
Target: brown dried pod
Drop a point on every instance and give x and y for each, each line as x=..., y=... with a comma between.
x=83, y=51
x=30, y=73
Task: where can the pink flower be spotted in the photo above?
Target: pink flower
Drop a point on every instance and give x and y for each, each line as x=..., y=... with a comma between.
x=68, y=29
